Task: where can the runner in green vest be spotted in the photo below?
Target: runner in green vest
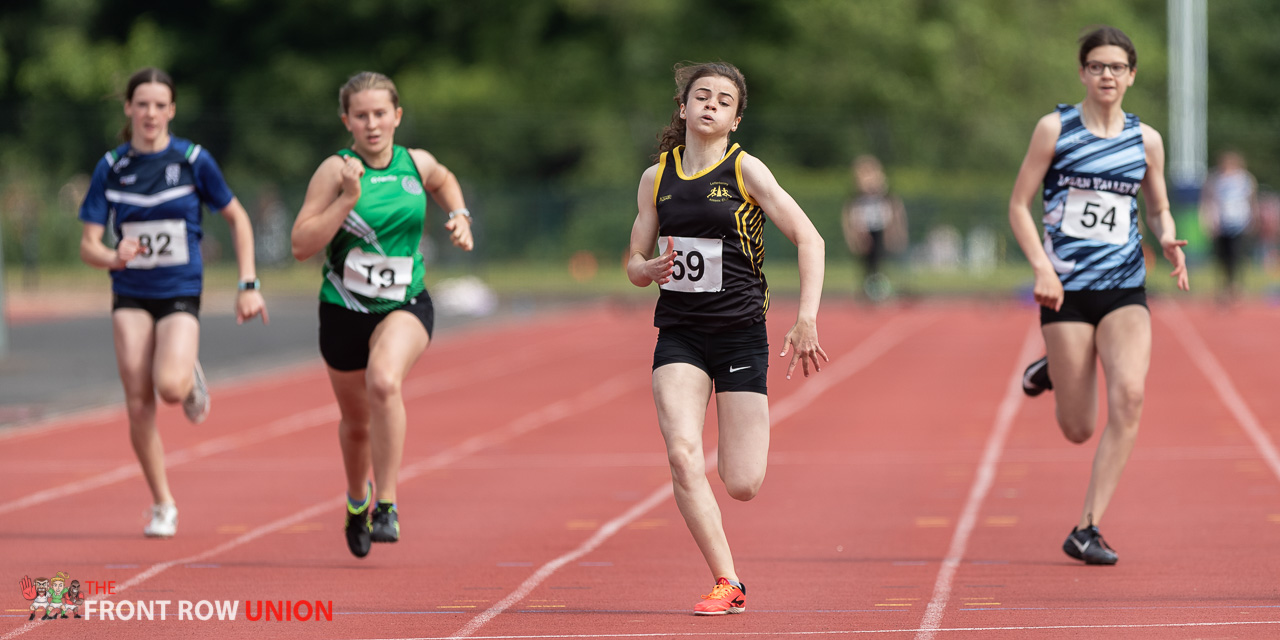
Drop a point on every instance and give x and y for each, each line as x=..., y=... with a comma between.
x=366, y=207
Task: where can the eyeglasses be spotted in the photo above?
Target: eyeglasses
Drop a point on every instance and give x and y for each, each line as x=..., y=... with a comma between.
x=1096, y=68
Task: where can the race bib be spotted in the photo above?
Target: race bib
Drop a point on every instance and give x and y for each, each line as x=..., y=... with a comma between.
x=377, y=276
x=161, y=243
x=1097, y=215
x=698, y=267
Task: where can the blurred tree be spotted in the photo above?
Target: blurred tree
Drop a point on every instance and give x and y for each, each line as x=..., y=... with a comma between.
x=562, y=100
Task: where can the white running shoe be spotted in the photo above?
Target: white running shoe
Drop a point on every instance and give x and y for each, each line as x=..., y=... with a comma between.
x=197, y=403
x=164, y=521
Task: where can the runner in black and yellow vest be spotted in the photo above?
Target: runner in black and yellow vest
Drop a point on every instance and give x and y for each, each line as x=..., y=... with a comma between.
x=704, y=205
x=366, y=207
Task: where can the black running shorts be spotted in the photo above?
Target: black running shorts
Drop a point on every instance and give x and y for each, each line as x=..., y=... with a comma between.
x=158, y=307
x=1092, y=306
x=345, y=334
x=734, y=360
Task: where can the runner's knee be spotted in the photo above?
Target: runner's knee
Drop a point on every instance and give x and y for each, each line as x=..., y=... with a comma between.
x=353, y=432
x=173, y=387
x=686, y=460
x=744, y=488
x=382, y=385
x=1077, y=429
x=1125, y=399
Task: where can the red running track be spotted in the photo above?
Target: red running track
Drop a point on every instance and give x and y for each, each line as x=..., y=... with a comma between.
x=912, y=493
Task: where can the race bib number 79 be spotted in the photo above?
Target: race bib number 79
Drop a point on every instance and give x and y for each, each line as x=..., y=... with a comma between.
x=698, y=265
x=377, y=276
x=1097, y=215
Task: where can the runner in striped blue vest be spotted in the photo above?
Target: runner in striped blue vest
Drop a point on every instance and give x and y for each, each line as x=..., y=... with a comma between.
x=1091, y=160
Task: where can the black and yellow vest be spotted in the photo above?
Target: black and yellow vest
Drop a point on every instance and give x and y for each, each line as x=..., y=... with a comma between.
x=718, y=229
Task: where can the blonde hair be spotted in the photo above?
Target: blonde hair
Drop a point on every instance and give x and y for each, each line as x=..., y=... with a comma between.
x=366, y=81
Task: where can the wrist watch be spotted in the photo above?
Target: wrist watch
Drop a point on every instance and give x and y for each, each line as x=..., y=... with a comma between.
x=254, y=285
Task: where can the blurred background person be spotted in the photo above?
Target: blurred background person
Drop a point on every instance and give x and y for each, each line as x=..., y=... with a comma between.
x=1228, y=206
x=875, y=223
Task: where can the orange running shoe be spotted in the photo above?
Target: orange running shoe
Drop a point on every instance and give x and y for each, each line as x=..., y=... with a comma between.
x=724, y=598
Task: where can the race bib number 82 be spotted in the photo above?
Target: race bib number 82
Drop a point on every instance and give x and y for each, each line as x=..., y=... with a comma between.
x=1097, y=215
x=161, y=243
x=698, y=265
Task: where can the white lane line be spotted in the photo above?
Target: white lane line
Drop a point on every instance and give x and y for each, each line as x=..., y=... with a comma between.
x=853, y=632
x=1221, y=382
x=978, y=492
x=864, y=354
x=319, y=416
x=589, y=399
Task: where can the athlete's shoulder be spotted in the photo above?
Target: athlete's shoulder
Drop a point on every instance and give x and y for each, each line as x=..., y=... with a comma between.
x=191, y=153
x=112, y=158
x=420, y=157
x=1053, y=120
x=652, y=172
x=1149, y=133
x=752, y=166
x=189, y=150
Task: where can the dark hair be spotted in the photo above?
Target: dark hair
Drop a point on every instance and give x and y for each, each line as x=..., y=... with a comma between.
x=366, y=81
x=686, y=73
x=141, y=77
x=1107, y=36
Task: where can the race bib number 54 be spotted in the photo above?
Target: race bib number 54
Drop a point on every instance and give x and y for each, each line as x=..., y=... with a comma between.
x=377, y=276
x=698, y=266
x=1097, y=215
x=161, y=243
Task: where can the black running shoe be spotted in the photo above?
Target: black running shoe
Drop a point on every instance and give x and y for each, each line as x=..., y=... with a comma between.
x=358, y=529
x=1035, y=380
x=386, y=523
x=1087, y=545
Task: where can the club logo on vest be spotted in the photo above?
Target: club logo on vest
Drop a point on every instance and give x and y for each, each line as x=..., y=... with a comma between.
x=411, y=185
x=171, y=174
x=719, y=192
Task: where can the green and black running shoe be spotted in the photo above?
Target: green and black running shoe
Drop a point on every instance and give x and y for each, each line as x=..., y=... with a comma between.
x=357, y=528
x=386, y=523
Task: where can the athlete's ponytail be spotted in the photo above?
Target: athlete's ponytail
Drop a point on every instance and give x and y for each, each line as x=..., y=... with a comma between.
x=141, y=77
x=686, y=73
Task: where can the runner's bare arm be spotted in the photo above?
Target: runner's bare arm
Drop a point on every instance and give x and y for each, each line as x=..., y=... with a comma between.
x=642, y=271
x=332, y=193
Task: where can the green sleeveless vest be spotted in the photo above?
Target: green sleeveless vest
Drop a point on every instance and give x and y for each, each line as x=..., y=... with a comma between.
x=373, y=263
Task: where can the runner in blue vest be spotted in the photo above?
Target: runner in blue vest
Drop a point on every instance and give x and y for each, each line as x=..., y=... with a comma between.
x=1091, y=159
x=150, y=191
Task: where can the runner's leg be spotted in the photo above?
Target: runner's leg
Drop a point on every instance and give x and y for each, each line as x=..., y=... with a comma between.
x=1124, y=347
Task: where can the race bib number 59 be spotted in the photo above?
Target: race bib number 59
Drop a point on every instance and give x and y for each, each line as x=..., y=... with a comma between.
x=698, y=266
x=1097, y=215
x=377, y=276
x=161, y=243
